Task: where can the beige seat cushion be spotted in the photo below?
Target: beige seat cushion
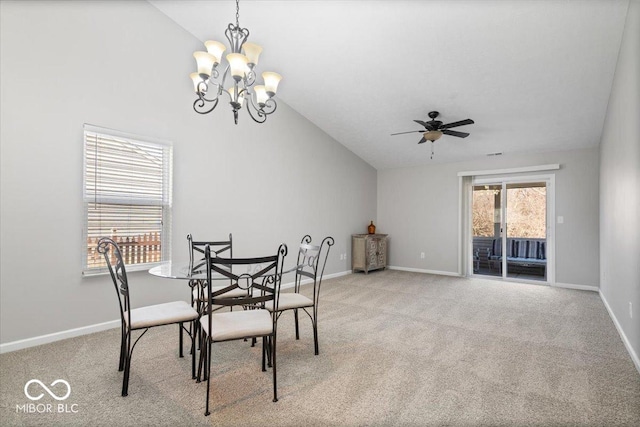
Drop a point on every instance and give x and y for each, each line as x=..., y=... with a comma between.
x=235, y=293
x=238, y=324
x=289, y=301
x=161, y=314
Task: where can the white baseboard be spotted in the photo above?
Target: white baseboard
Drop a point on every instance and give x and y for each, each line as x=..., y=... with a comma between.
x=57, y=336
x=85, y=330
x=578, y=287
x=625, y=340
x=420, y=270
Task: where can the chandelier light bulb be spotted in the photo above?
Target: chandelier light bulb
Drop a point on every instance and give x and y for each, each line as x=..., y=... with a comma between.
x=237, y=65
x=271, y=81
x=252, y=51
x=216, y=49
x=261, y=95
x=205, y=63
x=239, y=99
x=195, y=77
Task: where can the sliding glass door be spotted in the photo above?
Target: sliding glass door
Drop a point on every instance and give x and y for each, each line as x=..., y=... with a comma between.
x=526, y=230
x=487, y=229
x=510, y=229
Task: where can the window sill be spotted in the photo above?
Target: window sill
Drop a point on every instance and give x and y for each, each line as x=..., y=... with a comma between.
x=129, y=267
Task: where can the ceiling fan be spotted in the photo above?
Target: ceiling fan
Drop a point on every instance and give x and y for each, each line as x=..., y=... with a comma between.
x=434, y=129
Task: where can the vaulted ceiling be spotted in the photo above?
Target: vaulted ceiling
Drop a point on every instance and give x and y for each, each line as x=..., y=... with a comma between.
x=533, y=75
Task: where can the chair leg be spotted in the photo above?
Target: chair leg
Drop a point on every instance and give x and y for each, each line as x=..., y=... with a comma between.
x=295, y=316
x=181, y=338
x=192, y=328
x=208, y=371
x=203, y=357
x=123, y=345
x=315, y=336
x=127, y=366
x=264, y=354
x=268, y=350
x=273, y=358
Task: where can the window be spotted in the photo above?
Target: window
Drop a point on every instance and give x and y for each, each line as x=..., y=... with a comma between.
x=127, y=197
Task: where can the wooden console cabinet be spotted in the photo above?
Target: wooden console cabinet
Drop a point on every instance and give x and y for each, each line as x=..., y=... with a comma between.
x=368, y=252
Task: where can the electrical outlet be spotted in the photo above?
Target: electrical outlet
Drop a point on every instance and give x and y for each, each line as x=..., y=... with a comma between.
x=422, y=255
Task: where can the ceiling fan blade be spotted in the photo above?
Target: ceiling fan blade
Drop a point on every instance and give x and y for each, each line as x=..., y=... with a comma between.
x=422, y=140
x=455, y=133
x=421, y=122
x=411, y=131
x=456, y=124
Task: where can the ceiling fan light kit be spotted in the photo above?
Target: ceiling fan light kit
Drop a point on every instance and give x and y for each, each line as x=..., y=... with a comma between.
x=209, y=82
x=435, y=129
x=432, y=135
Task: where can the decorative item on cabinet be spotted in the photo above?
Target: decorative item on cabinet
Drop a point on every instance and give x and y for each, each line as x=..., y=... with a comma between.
x=368, y=252
x=371, y=228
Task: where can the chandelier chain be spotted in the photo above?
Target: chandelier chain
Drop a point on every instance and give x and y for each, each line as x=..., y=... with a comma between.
x=238, y=13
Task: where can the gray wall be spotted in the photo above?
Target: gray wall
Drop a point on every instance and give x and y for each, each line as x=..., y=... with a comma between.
x=418, y=207
x=620, y=187
x=68, y=63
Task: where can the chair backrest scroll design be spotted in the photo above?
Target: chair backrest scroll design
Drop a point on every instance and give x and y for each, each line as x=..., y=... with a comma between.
x=311, y=263
x=199, y=246
x=266, y=280
x=110, y=250
x=198, y=262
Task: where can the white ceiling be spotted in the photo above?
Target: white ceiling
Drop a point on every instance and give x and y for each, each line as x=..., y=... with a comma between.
x=534, y=75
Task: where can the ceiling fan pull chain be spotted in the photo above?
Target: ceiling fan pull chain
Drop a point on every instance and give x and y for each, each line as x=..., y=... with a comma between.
x=431, y=150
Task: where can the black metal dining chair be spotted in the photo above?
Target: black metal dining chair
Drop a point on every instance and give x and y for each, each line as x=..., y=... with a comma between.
x=197, y=263
x=260, y=278
x=310, y=267
x=142, y=318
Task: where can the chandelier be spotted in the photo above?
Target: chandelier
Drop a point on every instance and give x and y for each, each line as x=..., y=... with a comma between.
x=210, y=81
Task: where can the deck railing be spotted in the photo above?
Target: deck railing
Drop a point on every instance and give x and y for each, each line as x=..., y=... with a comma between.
x=481, y=248
x=139, y=249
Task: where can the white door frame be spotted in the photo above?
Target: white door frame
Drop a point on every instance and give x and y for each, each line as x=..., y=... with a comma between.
x=550, y=180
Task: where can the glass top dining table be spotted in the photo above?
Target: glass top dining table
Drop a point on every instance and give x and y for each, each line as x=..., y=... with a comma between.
x=181, y=270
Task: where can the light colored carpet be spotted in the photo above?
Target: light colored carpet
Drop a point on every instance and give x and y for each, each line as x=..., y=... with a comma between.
x=396, y=349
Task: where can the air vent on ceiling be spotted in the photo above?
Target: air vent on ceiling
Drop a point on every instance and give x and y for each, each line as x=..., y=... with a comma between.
x=494, y=154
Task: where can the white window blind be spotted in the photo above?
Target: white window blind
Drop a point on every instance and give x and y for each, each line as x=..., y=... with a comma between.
x=127, y=196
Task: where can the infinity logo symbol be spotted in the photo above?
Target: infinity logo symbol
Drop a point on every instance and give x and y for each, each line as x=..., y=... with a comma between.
x=52, y=394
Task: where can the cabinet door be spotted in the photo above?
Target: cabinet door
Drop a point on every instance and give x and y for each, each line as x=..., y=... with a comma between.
x=382, y=252
x=372, y=252
x=360, y=253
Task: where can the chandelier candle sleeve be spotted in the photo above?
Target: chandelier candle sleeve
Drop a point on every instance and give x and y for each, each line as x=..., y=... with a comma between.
x=241, y=60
